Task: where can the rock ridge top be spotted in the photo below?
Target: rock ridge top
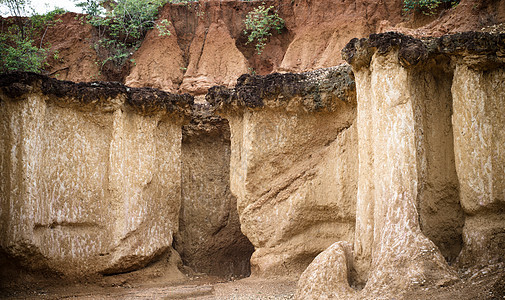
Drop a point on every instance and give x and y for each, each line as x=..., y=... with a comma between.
x=479, y=49
x=319, y=90
x=99, y=94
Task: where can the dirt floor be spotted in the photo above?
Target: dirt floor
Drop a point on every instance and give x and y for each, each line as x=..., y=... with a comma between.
x=192, y=288
x=486, y=283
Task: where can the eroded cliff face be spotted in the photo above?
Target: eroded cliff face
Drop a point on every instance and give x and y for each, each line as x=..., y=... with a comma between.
x=409, y=214
x=207, y=45
x=90, y=174
x=394, y=166
x=291, y=135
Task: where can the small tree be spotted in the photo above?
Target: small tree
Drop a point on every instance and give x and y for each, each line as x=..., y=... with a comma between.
x=18, y=50
x=259, y=24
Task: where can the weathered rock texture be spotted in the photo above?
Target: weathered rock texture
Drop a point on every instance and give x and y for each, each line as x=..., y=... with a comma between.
x=407, y=179
x=209, y=239
x=213, y=49
x=293, y=164
x=479, y=138
x=90, y=173
x=411, y=182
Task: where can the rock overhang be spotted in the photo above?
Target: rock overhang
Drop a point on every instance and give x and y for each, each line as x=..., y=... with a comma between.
x=99, y=95
x=478, y=49
x=322, y=90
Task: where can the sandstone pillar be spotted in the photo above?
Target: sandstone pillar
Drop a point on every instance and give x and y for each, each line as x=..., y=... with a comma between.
x=399, y=151
x=479, y=135
x=417, y=169
x=293, y=164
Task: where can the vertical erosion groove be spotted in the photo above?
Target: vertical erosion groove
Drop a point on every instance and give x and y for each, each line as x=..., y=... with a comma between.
x=209, y=239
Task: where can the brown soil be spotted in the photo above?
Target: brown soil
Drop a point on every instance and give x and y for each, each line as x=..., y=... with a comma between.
x=71, y=55
x=207, y=46
x=194, y=288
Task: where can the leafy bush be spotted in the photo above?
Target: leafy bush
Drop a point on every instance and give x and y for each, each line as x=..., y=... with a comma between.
x=18, y=50
x=427, y=7
x=19, y=54
x=259, y=24
x=121, y=29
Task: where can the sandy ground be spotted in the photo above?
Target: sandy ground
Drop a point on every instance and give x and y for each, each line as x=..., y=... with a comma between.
x=486, y=283
x=163, y=280
x=196, y=288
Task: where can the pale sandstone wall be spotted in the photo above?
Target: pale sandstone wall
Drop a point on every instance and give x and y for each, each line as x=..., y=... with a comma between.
x=408, y=211
x=90, y=183
x=479, y=124
x=293, y=164
x=90, y=177
x=429, y=117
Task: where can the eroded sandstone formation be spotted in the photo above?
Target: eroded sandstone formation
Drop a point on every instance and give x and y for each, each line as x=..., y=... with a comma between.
x=90, y=173
x=411, y=184
x=207, y=45
x=293, y=163
x=398, y=160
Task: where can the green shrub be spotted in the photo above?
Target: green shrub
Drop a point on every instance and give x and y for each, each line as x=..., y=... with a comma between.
x=18, y=50
x=259, y=24
x=19, y=54
x=120, y=30
x=427, y=7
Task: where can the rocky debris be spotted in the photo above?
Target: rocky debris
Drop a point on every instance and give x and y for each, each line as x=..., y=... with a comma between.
x=316, y=91
x=496, y=28
x=204, y=120
x=411, y=51
x=99, y=94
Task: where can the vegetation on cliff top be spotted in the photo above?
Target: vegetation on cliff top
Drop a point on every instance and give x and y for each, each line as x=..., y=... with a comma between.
x=122, y=27
x=427, y=7
x=22, y=45
x=259, y=24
